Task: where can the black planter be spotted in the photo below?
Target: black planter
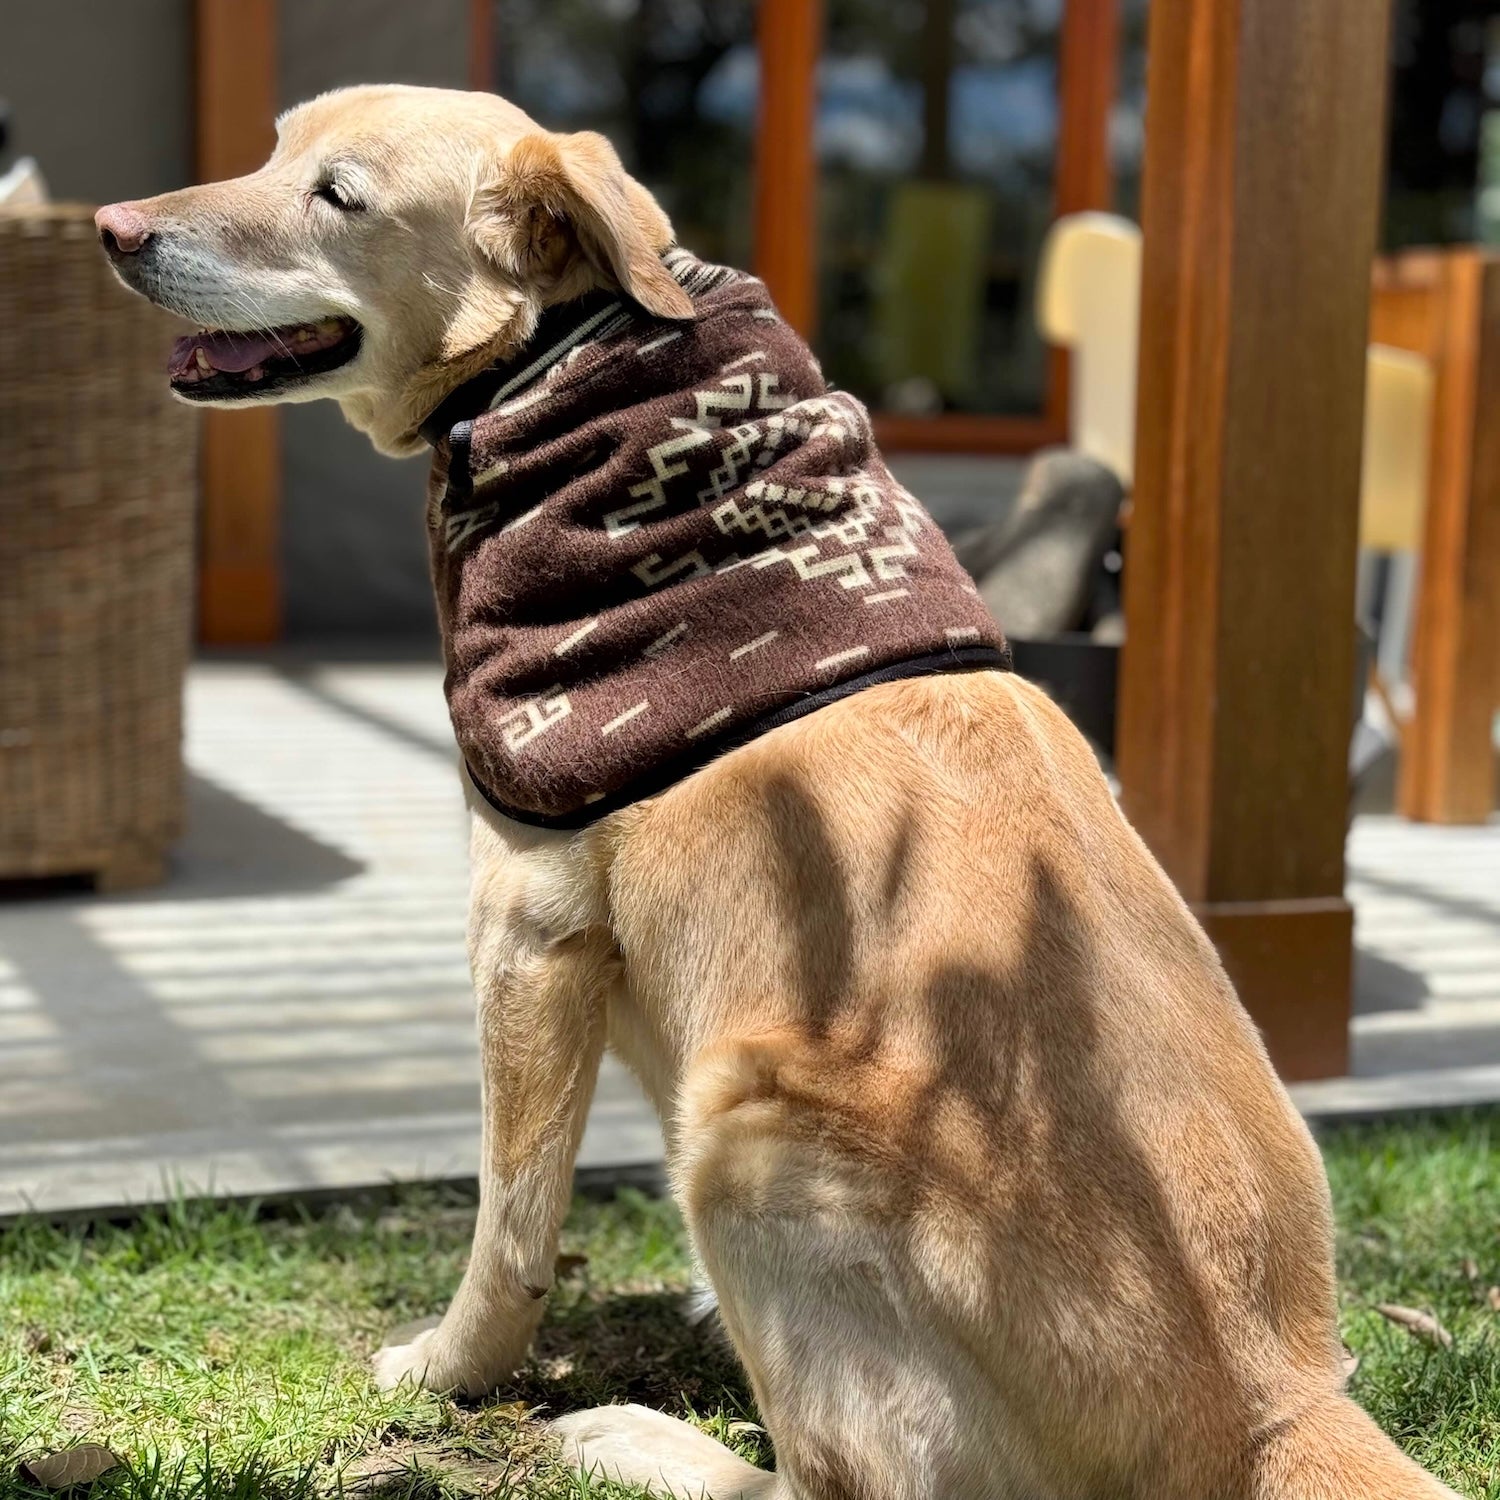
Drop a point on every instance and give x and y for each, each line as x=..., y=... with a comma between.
x=1080, y=674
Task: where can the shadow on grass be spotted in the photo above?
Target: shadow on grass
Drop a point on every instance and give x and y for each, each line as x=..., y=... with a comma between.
x=641, y=1347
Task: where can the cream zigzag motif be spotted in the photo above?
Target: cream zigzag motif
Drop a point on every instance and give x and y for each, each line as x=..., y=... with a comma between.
x=746, y=441
x=622, y=522
x=529, y=720
x=855, y=526
x=736, y=394
x=853, y=530
x=652, y=573
x=887, y=560
x=775, y=522
x=461, y=527
x=755, y=444
x=849, y=570
x=777, y=512
x=768, y=397
x=751, y=445
x=825, y=498
x=742, y=392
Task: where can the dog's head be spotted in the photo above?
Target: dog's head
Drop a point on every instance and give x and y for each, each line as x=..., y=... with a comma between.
x=397, y=241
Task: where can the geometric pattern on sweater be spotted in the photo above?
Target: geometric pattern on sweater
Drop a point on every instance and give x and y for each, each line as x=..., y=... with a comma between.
x=651, y=540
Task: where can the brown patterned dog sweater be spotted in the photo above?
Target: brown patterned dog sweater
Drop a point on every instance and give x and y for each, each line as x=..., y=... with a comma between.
x=654, y=540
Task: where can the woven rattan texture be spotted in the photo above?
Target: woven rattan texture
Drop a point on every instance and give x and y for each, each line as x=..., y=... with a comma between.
x=97, y=497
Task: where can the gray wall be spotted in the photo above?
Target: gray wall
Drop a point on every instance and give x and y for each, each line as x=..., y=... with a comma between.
x=356, y=560
x=100, y=93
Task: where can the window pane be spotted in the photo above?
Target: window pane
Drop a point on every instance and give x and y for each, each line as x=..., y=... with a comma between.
x=1445, y=124
x=936, y=142
x=671, y=82
x=1127, y=117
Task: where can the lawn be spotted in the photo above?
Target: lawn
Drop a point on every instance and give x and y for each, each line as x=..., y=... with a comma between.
x=221, y=1351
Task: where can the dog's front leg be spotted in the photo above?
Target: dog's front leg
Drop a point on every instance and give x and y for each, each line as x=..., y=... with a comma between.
x=541, y=998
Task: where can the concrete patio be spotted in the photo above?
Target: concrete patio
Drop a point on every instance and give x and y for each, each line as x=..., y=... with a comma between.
x=292, y=1009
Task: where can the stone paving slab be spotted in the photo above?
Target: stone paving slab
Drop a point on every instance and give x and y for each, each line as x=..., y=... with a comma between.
x=292, y=1011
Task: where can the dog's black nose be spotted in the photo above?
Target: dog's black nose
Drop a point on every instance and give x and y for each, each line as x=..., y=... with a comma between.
x=122, y=229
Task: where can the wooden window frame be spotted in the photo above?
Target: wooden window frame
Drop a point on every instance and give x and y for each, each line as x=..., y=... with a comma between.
x=239, y=519
x=790, y=41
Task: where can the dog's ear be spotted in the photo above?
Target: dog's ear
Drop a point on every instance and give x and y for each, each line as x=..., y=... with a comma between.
x=560, y=206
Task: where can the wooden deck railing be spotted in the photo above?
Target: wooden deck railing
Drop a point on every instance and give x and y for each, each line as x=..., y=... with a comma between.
x=1445, y=306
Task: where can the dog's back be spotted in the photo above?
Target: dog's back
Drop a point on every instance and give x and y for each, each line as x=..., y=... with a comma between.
x=997, y=1188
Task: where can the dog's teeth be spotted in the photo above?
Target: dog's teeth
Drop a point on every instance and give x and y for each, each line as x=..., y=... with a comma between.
x=256, y=372
x=201, y=359
x=330, y=325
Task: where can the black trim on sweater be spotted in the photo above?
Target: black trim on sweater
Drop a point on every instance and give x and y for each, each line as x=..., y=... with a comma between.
x=474, y=396
x=669, y=773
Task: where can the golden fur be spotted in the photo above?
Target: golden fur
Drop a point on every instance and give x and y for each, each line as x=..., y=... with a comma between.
x=997, y=1190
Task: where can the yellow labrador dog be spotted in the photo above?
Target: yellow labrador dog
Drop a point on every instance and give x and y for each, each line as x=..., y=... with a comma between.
x=995, y=1186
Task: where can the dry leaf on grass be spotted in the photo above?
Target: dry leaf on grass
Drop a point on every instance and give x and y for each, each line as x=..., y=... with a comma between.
x=61, y=1471
x=1493, y=1298
x=1470, y=1268
x=1421, y=1325
x=1350, y=1363
x=36, y=1340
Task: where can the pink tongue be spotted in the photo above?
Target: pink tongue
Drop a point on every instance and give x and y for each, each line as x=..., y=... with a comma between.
x=230, y=352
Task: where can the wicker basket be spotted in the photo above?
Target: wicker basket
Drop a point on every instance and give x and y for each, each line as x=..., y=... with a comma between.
x=97, y=495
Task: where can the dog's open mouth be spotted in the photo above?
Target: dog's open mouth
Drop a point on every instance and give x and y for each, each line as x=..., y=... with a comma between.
x=219, y=365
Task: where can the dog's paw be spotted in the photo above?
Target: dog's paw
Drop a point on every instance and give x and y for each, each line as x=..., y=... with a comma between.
x=634, y=1445
x=426, y=1356
x=427, y=1361
x=411, y=1363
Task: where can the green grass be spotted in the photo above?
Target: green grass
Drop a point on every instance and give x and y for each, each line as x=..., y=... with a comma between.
x=222, y=1351
x=1418, y=1206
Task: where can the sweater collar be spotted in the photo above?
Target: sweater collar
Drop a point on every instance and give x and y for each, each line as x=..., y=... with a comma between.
x=558, y=330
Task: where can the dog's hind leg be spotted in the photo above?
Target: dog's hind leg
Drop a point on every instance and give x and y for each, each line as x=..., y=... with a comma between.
x=635, y=1445
x=1335, y=1452
x=863, y=1389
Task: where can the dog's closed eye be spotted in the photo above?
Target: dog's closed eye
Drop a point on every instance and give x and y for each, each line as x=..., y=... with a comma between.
x=334, y=193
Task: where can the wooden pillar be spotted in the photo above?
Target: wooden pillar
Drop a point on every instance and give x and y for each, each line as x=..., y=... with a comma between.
x=1445, y=305
x=1263, y=163
x=481, y=49
x=239, y=573
x=786, y=168
x=1088, y=82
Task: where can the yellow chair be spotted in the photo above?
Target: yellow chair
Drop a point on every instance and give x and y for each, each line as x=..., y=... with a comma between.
x=1393, y=497
x=1089, y=301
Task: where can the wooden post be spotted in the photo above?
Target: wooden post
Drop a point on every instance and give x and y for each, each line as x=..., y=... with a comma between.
x=1263, y=163
x=481, y=50
x=1088, y=81
x=239, y=572
x=786, y=168
x=1445, y=305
